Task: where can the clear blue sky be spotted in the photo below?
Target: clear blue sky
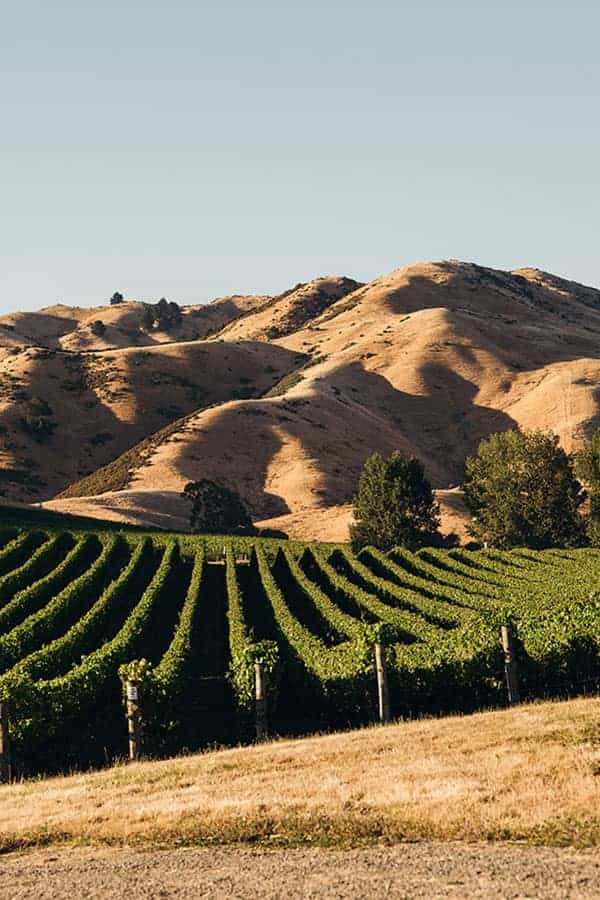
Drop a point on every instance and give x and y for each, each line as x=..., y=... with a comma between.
x=193, y=149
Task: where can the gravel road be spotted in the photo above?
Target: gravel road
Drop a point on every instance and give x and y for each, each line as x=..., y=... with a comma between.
x=408, y=870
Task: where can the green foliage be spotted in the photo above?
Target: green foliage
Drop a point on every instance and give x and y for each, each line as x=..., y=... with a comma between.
x=243, y=671
x=136, y=670
x=587, y=467
x=116, y=298
x=40, y=562
x=310, y=615
x=521, y=491
x=163, y=315
x=174, y=670
x=38, y=592
x=369, y=634
x=215, y=509
x=241, y=645
x=93, y=627
x=55, y=616
x=394, y=505
x=42, y=710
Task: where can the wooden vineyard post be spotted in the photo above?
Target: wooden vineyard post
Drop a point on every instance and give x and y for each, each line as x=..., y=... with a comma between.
x=510, y=665
x=4, y=743
x=383, y=695
x=260, y=682
x=133, y=699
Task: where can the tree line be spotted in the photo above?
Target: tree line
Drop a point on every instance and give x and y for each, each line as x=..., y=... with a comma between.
x=521, y=490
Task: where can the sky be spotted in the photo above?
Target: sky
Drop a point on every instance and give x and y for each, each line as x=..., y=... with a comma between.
x=194, y=150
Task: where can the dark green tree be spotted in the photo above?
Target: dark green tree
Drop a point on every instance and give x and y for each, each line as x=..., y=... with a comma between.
x=164, y=315
x=116, y=298
x=147, y=317
x=215, y=509
x=522, y=491
x=394, y=505
x=587, y=467
x=98, y=327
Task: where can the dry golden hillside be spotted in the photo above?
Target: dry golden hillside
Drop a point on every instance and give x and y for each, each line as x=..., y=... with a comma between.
x=289, y=312
x=109, y=327
x=63, y=415
x=428, y=359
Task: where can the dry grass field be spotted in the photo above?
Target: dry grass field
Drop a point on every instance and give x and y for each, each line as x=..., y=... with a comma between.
x=530, y=774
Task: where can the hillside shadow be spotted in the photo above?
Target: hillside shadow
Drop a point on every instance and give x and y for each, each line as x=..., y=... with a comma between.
x=503, y=299
x=365, y=413
x=58, y=327
x=238, y=451
x=84, y=396
x=440, y=426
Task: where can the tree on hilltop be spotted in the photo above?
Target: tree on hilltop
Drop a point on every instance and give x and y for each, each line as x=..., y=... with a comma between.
x=522, y=491
x=394, y=505
x=116, y=299
x=163, y=315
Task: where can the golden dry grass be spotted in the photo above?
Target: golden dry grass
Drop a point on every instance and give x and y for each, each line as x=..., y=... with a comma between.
x=428, y=360
x=529, y=774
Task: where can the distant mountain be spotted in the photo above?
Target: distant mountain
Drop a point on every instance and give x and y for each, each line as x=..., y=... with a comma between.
x=284, y=397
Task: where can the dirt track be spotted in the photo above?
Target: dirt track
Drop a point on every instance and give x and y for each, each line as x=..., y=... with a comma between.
x=409, y=870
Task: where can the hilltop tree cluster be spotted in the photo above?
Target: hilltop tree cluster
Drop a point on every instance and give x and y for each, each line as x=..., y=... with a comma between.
x=163, y=315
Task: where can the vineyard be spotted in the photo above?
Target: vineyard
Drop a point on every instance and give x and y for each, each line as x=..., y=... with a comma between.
x=75, y=607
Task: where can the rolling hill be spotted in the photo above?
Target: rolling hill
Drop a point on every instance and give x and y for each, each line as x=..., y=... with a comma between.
x=284, y=397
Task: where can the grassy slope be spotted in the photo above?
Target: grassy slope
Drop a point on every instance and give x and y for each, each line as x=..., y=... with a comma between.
x=529, y=774
x=33, y=517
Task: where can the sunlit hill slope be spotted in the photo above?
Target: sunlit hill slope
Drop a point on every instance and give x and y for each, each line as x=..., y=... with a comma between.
x=284, y=397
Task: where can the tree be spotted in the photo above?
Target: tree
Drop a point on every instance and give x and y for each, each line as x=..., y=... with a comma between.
x=216, y=509
x=98, y=327
x=587, y=467
x=164, y=315
x=394, y=505
x=522, y=491
x=147, y=317
x=116, y=298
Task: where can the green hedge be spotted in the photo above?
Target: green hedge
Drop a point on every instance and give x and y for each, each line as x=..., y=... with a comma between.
x=32, y=598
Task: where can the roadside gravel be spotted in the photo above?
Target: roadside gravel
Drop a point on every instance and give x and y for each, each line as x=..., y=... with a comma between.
x=423, y=870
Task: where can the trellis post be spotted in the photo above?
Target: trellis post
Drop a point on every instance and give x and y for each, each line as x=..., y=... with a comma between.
x=510, y=665
x=383, y=694
x=260, y=684
x=133, y=700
